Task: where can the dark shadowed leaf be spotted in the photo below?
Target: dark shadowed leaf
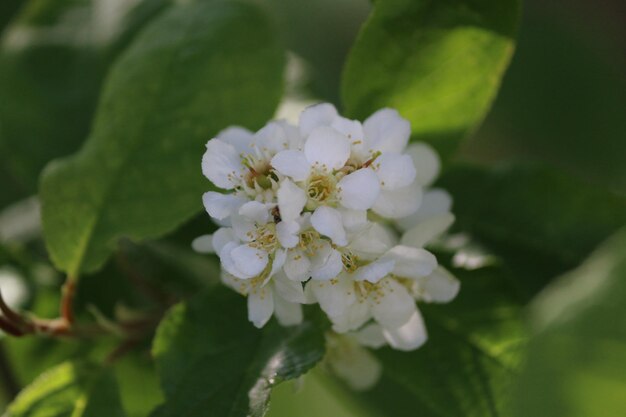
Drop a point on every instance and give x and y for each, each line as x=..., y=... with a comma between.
x=540, y=220
x=467, y=366
x=212, y=361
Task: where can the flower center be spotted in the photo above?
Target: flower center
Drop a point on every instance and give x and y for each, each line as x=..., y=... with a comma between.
x=265, y=238
x=321, y=188
x=259, y=172
x=309, y=242
x=350, y=261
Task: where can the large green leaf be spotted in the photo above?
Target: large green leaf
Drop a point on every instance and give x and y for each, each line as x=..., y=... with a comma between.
x=576, y=364
x=467, y=366
x=69, y=390
x=212, y=361
x=197, y=69
x=52, y=63
x=439, y=63
x=541, y=221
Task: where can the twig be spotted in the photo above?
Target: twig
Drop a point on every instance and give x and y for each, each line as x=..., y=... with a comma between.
x=67, y=301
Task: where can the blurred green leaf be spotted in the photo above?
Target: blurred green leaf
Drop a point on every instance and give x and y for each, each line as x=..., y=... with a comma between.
x=8, y=8
x=52, y=62
x=563, y=99
x=466, y=367
x=197, y=69
x=138, y=384
x=537, y=218
x=576, y=364
x=70, y=390
x=439, y=63
x=209, y=357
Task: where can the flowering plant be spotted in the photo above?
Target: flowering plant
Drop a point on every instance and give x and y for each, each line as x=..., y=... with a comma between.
x=357, y=247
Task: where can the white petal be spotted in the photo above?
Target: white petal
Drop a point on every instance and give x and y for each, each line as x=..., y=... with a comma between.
x=394, y=170
x=409, y=336
x=373, y=241
x=326, y=265
x=292, y=163
x=355, y=365
x=287, y=233
x=434, y=201
x=427, y=163
x=221, y=237
x=354, y=316
x=280, y=256
x=353, y=220
x=250, y=262
x=411, y=262
x=359, y=190
x=333, y=296
x=260, y=306
x=392, y=306
x=203, y=244
x=352, y=129
x=287, y=289
x=287, y=313
x=387, y=131
x=439, y=287
x=227, y=261
x=243, y=227
x=271, y=139
x=297, y=266
x=327, y=149
x=398, y=203
x=371, y=336
x=315, y=116
x=291, y=200
x=327, y=221
x=424, y=232
x=221, y=164
x=256, y=212
x=221, y=206
x=374, y=271
x=239, y=137
x=292, y=133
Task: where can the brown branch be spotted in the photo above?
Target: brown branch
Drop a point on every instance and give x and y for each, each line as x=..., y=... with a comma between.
x=67, y=301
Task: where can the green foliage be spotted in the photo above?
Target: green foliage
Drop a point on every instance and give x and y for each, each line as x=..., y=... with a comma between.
x=70, y=390
x=466, y=367
x=195, y=70
x=576, y=364
x=439, y=63
x=211, y=359
x=52, y=63
x=533, y=216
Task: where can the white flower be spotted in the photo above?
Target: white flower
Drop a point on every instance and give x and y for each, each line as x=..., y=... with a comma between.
x=278, y=296
x=350, y=361
x=312, y=214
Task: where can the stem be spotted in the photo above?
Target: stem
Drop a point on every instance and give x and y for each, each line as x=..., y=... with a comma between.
x=67, y=301
x=9, y=380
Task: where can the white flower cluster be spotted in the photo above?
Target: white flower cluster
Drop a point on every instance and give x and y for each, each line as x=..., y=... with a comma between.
x=313, y=214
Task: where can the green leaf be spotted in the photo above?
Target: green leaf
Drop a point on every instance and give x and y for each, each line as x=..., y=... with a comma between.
x=576, y=363
x=534, y=217
x=69, y=390
x=466, y=367
x=195, y=70
x=52, y=65
x=209, y=357
x=439, y=63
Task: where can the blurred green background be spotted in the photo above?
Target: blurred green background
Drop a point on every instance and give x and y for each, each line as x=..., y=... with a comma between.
x=562, y=103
